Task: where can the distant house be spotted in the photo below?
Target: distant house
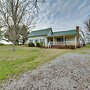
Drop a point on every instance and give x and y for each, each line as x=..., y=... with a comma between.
x=50, y=38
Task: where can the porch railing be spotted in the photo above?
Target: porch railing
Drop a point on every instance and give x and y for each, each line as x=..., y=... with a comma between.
x=60, y=43
x=55, y=43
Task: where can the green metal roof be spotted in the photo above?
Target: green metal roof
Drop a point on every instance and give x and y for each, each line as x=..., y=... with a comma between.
x=46, y=32
x=43, y=32
x=63, y=33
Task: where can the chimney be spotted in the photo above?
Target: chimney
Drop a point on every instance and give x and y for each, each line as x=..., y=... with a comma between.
x=78, y=36
x=77, y=29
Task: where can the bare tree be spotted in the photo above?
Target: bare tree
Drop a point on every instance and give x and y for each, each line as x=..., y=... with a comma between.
x=1, y=34
x=14, y=13
x=87, y=25
x=82, y=36
x=9, y=34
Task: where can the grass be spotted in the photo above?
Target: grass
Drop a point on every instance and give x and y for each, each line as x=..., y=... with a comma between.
x=23, y=59
x=82, y=50
x=26, y=58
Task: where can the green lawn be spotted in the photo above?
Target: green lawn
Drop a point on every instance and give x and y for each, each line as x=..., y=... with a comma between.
x=26, y=58
x=23, y=59
x=82, y=50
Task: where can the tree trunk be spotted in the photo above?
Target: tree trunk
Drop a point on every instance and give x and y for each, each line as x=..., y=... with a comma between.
x=14, y=49
x=23, y=42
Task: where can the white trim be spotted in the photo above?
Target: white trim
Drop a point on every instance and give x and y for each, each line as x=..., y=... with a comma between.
x=64, y=40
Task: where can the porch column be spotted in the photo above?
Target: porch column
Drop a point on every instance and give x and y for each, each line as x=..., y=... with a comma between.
x=64, y=40
x=46, y=41
x=54, y=41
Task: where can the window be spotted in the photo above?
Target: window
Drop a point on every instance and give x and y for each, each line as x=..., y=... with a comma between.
x=40, y=40
x=31, y=41
x=36, y=40
x=59, y=39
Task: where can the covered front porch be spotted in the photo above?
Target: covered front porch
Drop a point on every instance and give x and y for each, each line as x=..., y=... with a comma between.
x=61, y=40
x=56, y=40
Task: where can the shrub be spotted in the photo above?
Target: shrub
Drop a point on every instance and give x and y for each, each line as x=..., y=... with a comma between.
x=31, y=45
x=42, y=44
x=78, y=46
x=61, y=47
x=64, y=46
x=71, y=46
x=1, y=44
x=38, y=44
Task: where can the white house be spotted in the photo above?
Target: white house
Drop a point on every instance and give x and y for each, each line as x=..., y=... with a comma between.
x=50, y=38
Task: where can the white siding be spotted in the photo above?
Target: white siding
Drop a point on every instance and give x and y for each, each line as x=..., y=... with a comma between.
x=39, y=38
x=70, y=40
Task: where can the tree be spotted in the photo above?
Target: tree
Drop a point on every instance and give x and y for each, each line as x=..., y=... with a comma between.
x=24, y=34
x=0, y=34
x=82, y=36
x=9, y=34
x=15, y=13
x=87, y=25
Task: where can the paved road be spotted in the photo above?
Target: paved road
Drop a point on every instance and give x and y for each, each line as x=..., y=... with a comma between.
x=68, y=72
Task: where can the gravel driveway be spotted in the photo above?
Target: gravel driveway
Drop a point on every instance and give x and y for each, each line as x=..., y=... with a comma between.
x=68, y=72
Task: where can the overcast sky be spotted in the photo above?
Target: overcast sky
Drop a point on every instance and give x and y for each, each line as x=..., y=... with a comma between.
x=63, y=14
